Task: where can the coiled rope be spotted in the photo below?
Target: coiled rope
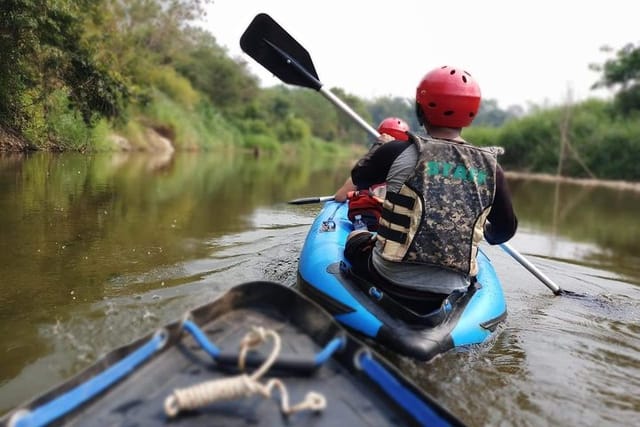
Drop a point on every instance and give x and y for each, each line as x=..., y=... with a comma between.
x=243, y=385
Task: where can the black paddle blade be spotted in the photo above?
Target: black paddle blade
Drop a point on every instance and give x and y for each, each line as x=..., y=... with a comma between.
x=572, y=294
x=271, y=46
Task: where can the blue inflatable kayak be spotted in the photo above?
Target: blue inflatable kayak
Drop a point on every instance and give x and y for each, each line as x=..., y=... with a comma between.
x=464, y=319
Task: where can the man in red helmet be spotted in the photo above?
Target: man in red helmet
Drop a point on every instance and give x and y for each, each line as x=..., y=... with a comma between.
x=442, y=195
x=364, y=200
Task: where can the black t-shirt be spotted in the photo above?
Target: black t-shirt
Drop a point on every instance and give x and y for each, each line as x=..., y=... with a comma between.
x=374, y=166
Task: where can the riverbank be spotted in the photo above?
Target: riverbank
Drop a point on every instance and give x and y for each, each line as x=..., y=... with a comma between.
x=9, y=141
x=159, y=143
x=155, y=140
x=587, y=182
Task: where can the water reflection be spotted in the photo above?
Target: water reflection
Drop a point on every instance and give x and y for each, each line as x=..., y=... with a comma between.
x=595, y=226
x=78, y=230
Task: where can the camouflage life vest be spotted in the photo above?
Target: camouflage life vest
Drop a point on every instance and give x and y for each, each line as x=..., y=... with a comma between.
x=438, y=215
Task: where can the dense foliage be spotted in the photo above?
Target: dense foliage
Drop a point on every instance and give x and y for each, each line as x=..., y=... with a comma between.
x=622, y=72
x=73, y=73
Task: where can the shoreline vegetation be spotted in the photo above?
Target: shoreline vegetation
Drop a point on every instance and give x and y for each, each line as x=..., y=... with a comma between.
x=160, y=145
x=155, y=143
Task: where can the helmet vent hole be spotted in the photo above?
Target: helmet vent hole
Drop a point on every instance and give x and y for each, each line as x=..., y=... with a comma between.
x=471, y=114
x=452, y=72
x=432, y=105
x=448, y=113
x=464, y=79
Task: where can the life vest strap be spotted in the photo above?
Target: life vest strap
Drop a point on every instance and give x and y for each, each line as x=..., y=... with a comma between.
x=401, y=200
x=396, y=236
x=396, y=218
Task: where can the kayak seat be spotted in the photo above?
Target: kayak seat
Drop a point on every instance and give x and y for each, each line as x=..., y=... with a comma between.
x=414, y=307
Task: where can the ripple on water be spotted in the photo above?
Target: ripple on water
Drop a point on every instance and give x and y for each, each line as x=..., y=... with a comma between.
x=583, y=352
x=560, y=361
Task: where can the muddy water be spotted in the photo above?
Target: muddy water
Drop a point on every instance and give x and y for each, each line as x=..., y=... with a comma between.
x=98, y=250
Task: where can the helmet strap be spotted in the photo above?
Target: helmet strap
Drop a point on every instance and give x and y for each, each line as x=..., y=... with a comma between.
x=420, y=115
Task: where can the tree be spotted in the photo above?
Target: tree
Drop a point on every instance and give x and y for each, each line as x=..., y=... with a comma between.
x=623, y=73
x=226, y=82
x=403, y=108
x=43, y=51
x=491, y=115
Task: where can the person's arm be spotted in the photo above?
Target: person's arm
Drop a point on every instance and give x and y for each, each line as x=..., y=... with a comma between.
x=341, y=194
x=373, y=167
x=501, y=223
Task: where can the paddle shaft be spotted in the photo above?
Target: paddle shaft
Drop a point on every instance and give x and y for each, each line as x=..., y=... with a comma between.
x=346, y=109
x=532, y=268
x=309, y=200
x=261, y=41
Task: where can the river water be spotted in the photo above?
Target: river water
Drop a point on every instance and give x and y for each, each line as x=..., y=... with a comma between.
x=96, y=250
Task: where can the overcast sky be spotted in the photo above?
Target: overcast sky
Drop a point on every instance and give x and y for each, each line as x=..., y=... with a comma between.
x=520, y=52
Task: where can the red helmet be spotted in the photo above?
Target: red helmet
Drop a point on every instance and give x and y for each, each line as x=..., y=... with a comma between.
x=447, y=97
x=395, y=127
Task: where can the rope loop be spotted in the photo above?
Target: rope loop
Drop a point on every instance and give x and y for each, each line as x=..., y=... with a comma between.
x=243, y=385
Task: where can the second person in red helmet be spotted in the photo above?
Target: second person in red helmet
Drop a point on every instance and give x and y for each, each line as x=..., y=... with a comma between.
x=366, y=201
x=443, y=194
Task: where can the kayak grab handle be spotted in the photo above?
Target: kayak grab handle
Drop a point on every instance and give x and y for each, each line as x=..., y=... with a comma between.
x=284, y=363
